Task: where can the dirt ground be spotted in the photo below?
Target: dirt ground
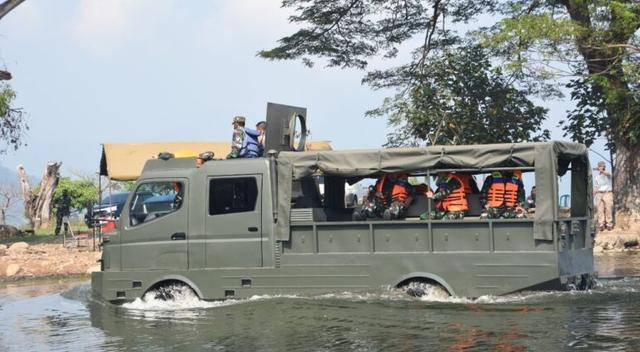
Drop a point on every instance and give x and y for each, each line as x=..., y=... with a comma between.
x=26, y=261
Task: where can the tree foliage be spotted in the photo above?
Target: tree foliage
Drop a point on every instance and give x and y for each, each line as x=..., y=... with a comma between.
x=81, y=192
x=12, y=120
x=461, y=99
x=538, y=43
x=448, y=92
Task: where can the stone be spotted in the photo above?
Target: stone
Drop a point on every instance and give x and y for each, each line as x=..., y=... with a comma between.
x=18, y=248
x=12, y=269
x=3, y=250
x=8, y=231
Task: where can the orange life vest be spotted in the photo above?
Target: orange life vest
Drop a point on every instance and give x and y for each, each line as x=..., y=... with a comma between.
x=467, y=185
x=399, y=192
x=457, y=199
x=496, y=192
x=511, y=187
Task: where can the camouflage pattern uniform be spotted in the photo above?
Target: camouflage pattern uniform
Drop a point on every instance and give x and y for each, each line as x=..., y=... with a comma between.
x=372, y=207
x=382, y=205
x=236, y=143
x=63, y=205
x=445, y=186
x=503, y=211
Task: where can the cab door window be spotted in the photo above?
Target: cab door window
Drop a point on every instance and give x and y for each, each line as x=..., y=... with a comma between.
x=155, y=199
x=232, y=195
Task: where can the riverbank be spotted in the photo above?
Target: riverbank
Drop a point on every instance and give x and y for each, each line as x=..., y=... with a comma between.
x=617, y=241
x=20, y=261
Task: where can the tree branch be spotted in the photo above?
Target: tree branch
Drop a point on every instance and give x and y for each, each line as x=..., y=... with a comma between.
x=8, y=6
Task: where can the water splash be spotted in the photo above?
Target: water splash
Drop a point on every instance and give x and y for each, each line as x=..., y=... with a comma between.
x=173, y=298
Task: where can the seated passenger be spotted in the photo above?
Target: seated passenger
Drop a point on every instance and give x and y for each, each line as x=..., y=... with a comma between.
x=399, y=198
x=503, y=195
x=531, y=201
x=470, y=183
x=450, y=197
x=388, y=199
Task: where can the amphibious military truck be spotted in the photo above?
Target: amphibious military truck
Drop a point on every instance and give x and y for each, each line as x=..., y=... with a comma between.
x=244, y=227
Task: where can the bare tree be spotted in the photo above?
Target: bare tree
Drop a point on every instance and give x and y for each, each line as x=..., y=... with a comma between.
x=9, y=197
x=38, y=205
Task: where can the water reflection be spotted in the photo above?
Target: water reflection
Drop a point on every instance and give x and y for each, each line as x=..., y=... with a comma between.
x=39, y=318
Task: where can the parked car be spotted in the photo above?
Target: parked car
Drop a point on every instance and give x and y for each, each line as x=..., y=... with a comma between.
x=109, y=208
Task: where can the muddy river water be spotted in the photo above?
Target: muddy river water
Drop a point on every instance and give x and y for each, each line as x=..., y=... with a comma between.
x=62, y=316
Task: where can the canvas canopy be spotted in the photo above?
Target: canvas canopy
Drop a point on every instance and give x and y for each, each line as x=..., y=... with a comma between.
x=548, y=158
x=124, y=161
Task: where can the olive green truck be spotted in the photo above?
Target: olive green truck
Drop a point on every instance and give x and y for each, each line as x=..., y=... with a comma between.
x=244, y=227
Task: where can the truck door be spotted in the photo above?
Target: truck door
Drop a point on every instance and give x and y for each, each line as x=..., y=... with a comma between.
x=233, y=222
x=154, y=229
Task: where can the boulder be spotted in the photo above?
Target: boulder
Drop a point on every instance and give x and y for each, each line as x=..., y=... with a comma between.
x=12, y=269
x=8, y=231
x=3, y=250
x=18, y=247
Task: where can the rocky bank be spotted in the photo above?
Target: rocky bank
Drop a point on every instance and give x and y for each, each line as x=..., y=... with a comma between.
x=23, y=261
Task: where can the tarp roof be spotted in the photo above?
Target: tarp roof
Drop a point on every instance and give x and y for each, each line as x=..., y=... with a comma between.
x=548, y=158
x=124, y=161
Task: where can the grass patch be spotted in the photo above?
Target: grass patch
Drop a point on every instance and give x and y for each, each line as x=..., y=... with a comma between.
x=45, y=235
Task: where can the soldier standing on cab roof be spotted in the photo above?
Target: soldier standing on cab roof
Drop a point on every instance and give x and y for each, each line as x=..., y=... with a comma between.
x=261, y=128
x=244, y=142
x=62, y=205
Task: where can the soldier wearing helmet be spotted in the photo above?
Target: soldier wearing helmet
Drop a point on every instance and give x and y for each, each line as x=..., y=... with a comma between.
x=244, y=142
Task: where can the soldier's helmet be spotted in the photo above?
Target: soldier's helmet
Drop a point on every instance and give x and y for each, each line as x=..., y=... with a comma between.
x=239, y=119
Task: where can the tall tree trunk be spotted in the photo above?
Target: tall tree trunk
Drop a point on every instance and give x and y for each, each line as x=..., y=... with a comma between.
x=27, y=195
x=38, y=207
x=627, y=185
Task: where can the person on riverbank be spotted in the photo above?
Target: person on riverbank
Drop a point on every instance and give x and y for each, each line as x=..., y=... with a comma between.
x=603, y=194
x=63, y=209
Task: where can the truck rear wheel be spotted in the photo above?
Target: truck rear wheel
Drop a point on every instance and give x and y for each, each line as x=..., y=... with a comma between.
x=170, y=290
x=420, y=287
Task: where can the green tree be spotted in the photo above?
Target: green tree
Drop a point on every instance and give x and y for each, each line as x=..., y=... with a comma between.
x=81, y=192
x=535, y=41
x=461, y=99
x=12, y=122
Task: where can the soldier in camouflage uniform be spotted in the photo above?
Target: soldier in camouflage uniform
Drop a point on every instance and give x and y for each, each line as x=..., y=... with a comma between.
x=503, y=195
x=244, y=141
x=63, y=209
x=372, y=206
x=446, y=184
x=388, y=199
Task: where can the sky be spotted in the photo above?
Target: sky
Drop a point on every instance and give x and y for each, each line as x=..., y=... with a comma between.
x=102, y=71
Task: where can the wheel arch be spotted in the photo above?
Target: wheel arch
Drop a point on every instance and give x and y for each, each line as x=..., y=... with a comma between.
x=172, y=278
x=423, y=276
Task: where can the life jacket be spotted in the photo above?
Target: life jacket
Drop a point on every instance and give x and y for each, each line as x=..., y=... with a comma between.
x=457, y=199
x=250, y=146
x=400, y=192
x=467, y=184
x=496, y=192
x=511, y=187
x=392, y=190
